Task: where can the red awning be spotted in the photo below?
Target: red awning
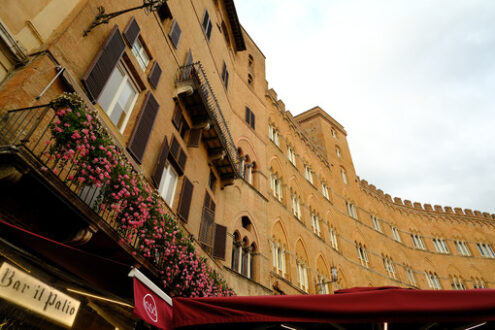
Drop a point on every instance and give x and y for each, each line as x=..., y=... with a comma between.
x=352, y=306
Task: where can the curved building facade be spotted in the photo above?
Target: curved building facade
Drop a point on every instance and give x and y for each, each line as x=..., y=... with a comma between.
x=271, y=201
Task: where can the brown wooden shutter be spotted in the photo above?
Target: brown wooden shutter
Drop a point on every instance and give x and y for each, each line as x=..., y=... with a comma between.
x=155, y=74
x=182, y=160
x=175, y=34
x=177, y=118
x=207, y=201
x=185, y=199
x=248, y=115
x=131, y=32
x=194, y=137
x=207, y=222
x=177, y=156
x=206, y=228
x=219, y=241
x=99, y=71
x=160, y=164
x=143, y=128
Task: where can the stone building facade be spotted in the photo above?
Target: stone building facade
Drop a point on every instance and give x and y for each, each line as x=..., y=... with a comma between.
x=271, y=200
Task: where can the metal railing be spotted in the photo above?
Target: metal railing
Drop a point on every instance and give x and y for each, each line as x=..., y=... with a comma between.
x=28, y=129
x=194, y=73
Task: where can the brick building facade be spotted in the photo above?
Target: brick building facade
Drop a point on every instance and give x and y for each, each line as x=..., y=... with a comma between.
x=271, y=200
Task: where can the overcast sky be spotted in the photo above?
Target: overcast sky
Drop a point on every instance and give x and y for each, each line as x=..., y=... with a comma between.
x=412, y=82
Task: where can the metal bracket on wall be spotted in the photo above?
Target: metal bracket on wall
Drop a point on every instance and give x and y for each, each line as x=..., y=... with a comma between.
x=102, y=18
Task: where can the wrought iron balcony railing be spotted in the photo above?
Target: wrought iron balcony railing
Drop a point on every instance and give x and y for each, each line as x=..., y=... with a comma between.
x=27, y=132
x=195, y=76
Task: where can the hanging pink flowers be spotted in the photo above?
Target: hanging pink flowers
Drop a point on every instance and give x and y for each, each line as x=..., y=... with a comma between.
x=79, y=139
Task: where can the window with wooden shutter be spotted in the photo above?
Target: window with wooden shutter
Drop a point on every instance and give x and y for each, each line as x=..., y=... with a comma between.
x=220, y=241
x=207, y=25
x=143, y=128
x=131, y=32
x=99, y=71
x=207, y=222
x=194, y=138
x=180, y=122
x=175, y=34
x=177, y=156
x=160, y=164
x=185, y=199
x=225, y=75
x=249, y=117
x=155, y=74
x=177, y=117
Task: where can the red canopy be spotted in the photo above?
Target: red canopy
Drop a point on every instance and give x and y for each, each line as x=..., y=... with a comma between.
x=351, y=306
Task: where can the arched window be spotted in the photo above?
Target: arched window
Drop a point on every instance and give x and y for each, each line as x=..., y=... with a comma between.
x=276, y=186
x=433, y=282
x=344, y=175
x=246, y=167
x=236, y=248
x=457, y=283
x=279, y=258
x=362, y=254
x=244, y=249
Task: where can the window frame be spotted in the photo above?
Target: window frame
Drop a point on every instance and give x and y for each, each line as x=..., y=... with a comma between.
x=457, y=283
x=388, y=263
x=433, y=281
x=127, y=77
x=395, y=233
x=315, y=223
x=324, y=190
x=418, y=241
x=139, y=56
x=207, y=26
x=291, y=154
x=441, y=245
x=171, y=35
x=362, y=255
x=410, y=276
x=167, y=169
x=485, y=250
x=376, y=224
x=308, y=173
x=462, y=248
x=225, y=75
x=302, y=275
x=343, y=174
x=250, y=117
x=276, y=185
x=333, y=238
x=351, y=210
x=273, y=135
x=296, y=206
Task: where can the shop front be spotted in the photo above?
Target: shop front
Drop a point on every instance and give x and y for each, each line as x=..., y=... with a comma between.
x=38, y=293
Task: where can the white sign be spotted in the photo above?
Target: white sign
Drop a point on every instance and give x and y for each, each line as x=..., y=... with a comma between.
x=22, y=289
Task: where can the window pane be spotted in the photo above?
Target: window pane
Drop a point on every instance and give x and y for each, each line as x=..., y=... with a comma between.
x=109, y=92
x=169, y=197
x=168, y=184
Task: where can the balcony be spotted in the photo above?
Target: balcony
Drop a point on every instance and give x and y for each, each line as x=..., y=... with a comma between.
x=37, y=194
x=196, y=93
